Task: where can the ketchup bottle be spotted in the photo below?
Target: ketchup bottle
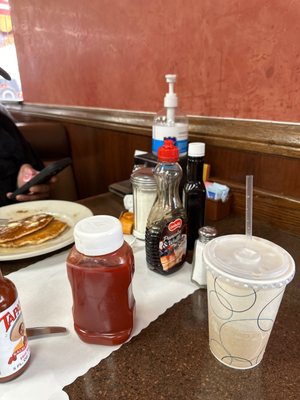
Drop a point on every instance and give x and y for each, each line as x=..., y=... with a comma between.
x=14, y=349
x=100, y=268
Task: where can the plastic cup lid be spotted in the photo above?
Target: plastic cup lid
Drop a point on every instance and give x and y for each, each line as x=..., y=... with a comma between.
x=98, y=235
x=252, y=262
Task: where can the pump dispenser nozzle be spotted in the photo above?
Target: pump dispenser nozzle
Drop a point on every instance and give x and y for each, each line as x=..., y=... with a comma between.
x=170, y=101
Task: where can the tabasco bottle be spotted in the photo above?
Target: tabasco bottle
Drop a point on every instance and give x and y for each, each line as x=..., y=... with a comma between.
x=14, y=349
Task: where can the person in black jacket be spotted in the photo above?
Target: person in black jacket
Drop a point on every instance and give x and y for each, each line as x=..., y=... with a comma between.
x=18, y=162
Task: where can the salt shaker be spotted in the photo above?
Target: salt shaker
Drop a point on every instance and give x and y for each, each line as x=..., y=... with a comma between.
x=144, y=194
x=206, y=233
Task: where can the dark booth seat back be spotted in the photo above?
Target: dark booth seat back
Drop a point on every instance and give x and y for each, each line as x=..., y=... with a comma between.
x=50, y=141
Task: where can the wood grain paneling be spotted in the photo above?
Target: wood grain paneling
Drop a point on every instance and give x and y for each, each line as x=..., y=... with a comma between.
x=102, y=156
x=282, y=211
x=103, y=144
x=255, y=136
x=274, y=173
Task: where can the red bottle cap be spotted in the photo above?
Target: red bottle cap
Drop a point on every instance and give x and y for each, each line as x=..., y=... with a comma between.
x=168, y=152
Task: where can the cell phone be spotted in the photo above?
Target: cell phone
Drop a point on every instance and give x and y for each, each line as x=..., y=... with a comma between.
x=43, y=176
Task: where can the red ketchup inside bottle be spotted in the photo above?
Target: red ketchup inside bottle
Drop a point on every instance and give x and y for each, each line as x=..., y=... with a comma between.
x=100, y=268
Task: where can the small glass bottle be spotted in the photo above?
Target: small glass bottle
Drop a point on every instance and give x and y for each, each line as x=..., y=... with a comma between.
x=15, y=353
x=100, y=268
x=194, y=192
x=144, y=194
x=206, y=233
x=166, y=226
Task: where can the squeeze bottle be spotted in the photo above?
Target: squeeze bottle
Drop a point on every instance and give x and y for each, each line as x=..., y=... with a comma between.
x=166, y=225
x=100, y=268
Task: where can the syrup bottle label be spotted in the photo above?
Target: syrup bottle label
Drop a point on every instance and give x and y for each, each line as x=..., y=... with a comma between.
x=13, y=340
x=172, y=246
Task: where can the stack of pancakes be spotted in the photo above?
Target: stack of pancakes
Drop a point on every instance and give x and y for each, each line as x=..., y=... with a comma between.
x=32, y=230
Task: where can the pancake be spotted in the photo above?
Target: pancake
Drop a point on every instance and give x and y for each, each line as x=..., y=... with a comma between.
x=22, y=227
x=50, y=231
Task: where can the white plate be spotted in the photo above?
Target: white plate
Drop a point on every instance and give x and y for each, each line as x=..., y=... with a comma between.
x=67, y=211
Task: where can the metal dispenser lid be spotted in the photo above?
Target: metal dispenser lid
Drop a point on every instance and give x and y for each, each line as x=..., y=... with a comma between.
x=143, y=177
x=207, y=233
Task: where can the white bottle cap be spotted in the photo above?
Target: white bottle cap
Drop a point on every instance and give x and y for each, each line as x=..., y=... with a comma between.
x=98, y=235
x=196, y=149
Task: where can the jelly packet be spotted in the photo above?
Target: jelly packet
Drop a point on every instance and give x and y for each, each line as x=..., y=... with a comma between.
x=217, y=191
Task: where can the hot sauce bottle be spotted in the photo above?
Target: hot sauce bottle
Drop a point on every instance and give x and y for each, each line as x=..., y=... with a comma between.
x=100, y=268
x=166, y=236
x=14, y=349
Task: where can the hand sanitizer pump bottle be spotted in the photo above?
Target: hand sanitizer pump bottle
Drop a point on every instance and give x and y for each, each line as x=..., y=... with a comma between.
x=169, y=123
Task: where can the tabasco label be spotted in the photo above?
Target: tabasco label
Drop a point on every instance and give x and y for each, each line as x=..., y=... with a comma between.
x=14, y=349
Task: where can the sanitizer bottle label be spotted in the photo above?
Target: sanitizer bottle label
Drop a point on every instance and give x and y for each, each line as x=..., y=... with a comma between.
x=178, y=133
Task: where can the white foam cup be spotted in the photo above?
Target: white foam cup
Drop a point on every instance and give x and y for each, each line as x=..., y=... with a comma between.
x=246, y=279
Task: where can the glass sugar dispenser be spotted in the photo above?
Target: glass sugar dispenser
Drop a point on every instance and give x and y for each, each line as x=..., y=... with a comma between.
x=144, y=193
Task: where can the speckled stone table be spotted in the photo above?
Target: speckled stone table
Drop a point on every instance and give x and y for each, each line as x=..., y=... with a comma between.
x=170, y=359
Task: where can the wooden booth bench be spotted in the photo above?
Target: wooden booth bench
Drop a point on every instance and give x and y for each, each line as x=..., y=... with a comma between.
x=51, y=143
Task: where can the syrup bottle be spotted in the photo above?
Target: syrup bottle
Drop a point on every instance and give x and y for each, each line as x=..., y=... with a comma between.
x=14, y=349
x=166, y=225
x=100, y=268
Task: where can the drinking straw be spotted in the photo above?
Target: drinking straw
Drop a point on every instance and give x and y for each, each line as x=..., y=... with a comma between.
x=249, y=205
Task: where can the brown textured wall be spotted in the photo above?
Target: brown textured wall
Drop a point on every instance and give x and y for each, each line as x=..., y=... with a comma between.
x=233, y=58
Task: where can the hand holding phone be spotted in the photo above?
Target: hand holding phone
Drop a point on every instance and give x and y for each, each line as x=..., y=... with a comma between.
x=43, y=176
